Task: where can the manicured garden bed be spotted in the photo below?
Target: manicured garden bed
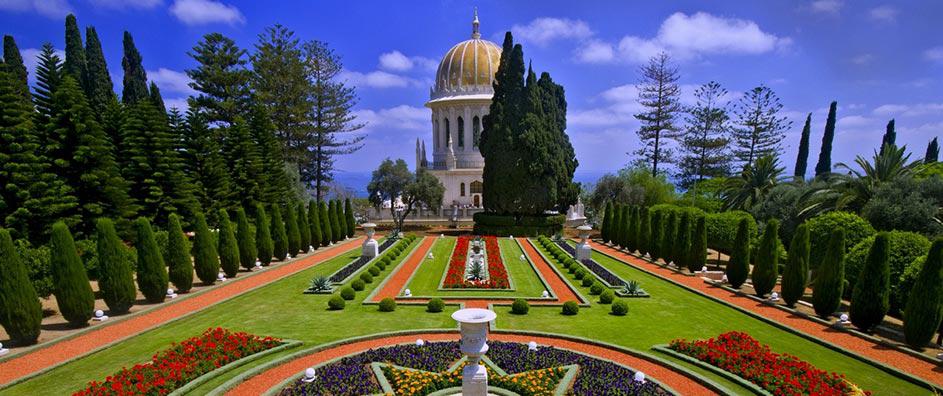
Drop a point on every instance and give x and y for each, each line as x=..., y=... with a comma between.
x=455, y=277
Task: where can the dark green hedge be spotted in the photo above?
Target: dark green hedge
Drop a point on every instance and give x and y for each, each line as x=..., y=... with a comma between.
x=503, y=225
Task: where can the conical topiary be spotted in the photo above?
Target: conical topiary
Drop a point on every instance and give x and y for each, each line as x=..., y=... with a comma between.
x=632, y=230
x=796, y=275
x=738, y=268
x=654, y=236
x=337, y=232
x=830, y=282
x=683, y=242
x=279, y=235
x=302, y=217
x=644, y=232
x=115, y=276
x=179, y=263
x=292, y=231
x=696, y=256
x=20, y=311
x=766, y=267
x=263, y=236
x=607, y=223
x=314, y=223
x=246, y=240
x=228, y=247
x=327, y=236
x=70, y=283
x=617, y=225
x=151, y=273
x=870, y=299
x=925, y=304
x=627, y=228
x=205, y=258
x=349, y=217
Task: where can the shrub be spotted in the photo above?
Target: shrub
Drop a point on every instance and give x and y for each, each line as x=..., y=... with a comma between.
x=607, y=296
x=579, y=274
x=151, y=273
x=520, y=307
x=279, y=235
x=631, y=230
x=435, y=305
x=246, y=240
x=739, y=265
x=366, y=277
x=265, y=247
x=821, y=227
x=205, y=258
x=654, y=239
x=374, y=271
x=669, y=234
x=683, y=243
x=71, y=288
x=321, y=283
x=292, y=230
x=827, y=290
x=337, y=234
x=596, y=288
x=385, y=260
x=923, y=313
x=303, y=230
x=618, y=225
x=387, y=305
x=21, y=313
x=348, y=293
x=796, y=275
x=179, y=263
x=327, y=234
x=644, y=231
x=349, y=217
x=620, y=308
x=314, y=224
x=116, y=277
x=607, y=223
x=571, y=308
x=766, y=267
x=380, y=265
x=588, y=281
x=696, y=256
x=358, y=285
x=336, y=303
x=904, y=248
x=723, y=229
x=870, y=297
x=37, y=261
x=228, y=248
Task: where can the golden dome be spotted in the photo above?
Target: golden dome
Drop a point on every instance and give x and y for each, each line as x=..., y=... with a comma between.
x=469, y=66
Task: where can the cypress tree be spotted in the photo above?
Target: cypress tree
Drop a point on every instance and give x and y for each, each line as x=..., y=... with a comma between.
x=301, y=217
x=291, y=229
x=632, y=230
x=155, y=98
x=766, y=268
x=228, y=247
x=74, y=50
x=796, y=275
x=263, y=236
x=115, y=275
x=607, y=223
x=179, y=263
x=697, y=252
x=644, y=231
x=627, y=227
x=617, y=225
x=739, y=265
x=870, y=298
x=925, y=304
x=802, y=159
x=654, y=240
x=890, y=136
x=327, y=236
x=314, y=223
x=99, y=89
x=205, y=258
x=933, y=152
x=349, y=217
x=830, y=280
x=669, y=236
x=70, y=283
x=824, y=166
x=683, y=244
x=337, y=231
x=279, y=235
x=13, y=64
x=151, y=273
x=20, y=311
x=246, y=240
x=135, y=78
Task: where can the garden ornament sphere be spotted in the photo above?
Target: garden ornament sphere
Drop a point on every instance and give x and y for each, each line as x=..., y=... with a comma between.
x=843, y=317
x=221, y=276
x=99, y=313
x=523, y=258
x=704, y=269
x=170, y=292
x=309, y=375
x=774, y=296
x=407, y=293
x=639, y=377
x=420, y=342
x=532, y=345
x=545, y=294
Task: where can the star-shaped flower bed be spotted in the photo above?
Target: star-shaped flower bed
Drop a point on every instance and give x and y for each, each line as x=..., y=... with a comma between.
x=405, y=381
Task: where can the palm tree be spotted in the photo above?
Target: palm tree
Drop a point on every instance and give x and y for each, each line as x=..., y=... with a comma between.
x=753, y=185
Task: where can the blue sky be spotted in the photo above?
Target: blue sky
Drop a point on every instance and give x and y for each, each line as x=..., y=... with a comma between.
x=879, y=60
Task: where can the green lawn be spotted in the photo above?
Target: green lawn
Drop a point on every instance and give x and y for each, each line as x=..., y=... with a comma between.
x=524, y=279
x=280, y=309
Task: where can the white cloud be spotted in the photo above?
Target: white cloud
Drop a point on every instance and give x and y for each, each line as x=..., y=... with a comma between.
x=127, y=4
x=378, y=79
x=826, y=6
x=200, y=12
x=884, y=13
x=402, y=117
x=862, y=59
x=48, y=8
x=595, y=51
x=171, y=81
x=397, y=61
x=934, y=54
x=916, y=109
x=543, y=31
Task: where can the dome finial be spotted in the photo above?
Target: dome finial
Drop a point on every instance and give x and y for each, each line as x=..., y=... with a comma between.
x=475, y=33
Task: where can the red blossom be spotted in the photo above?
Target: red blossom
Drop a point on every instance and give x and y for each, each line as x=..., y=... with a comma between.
x=497, y=272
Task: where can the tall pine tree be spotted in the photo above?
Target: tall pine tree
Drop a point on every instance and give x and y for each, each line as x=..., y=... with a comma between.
x=759, y=127
x=135, y=78
x=802, y=158
x=274, y=183
x=221, y=78
x=245, y=168
x=281, y=85
x=203, y=161
x=98, y=86
x=48, y=78
x=660, y=96
x=13, y=64
x=824, y=166
x=933, y=152
x=74, y=50
x=890, y=136
x=705, y=154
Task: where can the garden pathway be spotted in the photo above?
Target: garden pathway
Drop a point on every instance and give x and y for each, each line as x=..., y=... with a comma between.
x=404, y=272
x=59, y=352
x=561, y=288
x=920, y=368
x=265, y=380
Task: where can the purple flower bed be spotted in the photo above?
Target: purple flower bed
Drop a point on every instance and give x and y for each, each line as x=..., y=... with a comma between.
x=600, y=271
x=357, y=264
x=352, y=375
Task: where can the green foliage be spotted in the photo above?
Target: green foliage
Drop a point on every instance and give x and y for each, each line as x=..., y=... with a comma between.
x=179, y=264
x=349, y=218
x=375, y=270
x=228, y=246
x=796, y=275
x=221, y=78
x=205, y=256
x=871, y=294
x=696, y=255
x=682, y=245
x=505, y=225
x=570, y=308
x=907, y=204
x=579, y=274
x=387, y=305
x=520, y=306
x=618, y=225
x=327, y=233
x=336, y=303
x=292, y=230
x=337, y=233
x=824, y=166
x=304, y=230
x=314, y=224
x=322, y=283
x=766, y=267
x=151, y=273
x=620, y=308
x=246, y=240
x=135, y=79
x=596, y=287
x=924, y=309
x=933, y=152
x=802, y=157
x=13, y=62
x=657, y=229
x=904, y=248
x=830, y=283
x=607, y=223
x=263, y=236
x=38, y=264
x=739, y=265
x=706, y=139
x=588, y=281
x=606, y=296
x=435, y=305
x=348, y=293
x=644, y=231
x=97, y=80
x=722, y=229
x=20, y=311
x=821, y=226
x=279, y=234
x=366, y=277
x=358, y=285
x=668, y=234
x=753, y=185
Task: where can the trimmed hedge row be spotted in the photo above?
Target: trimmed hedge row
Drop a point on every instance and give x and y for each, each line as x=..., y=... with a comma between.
x=504, y=225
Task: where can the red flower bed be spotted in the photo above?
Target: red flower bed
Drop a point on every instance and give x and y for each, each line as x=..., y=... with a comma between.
x=497, y=272
x=779, y=374
x=181, y=363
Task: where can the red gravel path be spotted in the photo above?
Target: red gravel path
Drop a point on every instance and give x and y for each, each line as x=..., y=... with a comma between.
x=559, y=286
x=889, y=356
x=264, y=381
x=58, y=352
x=399, y=278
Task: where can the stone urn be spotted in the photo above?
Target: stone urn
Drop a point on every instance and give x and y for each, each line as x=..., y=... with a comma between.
x=474, y=327
x=370, y=246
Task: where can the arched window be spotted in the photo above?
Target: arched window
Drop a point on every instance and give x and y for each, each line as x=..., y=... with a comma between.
x=448, y=135
x=435, y=134
x=461, y=132
x=476, y=187
x=476, y=131
x=461, y=189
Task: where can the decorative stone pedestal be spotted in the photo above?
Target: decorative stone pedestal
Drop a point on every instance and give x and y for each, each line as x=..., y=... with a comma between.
x=583, y=251
x=474, y=327
x=370, y=247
